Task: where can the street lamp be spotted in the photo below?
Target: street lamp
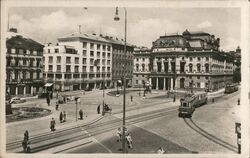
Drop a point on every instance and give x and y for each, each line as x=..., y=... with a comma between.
x=116, y=18
x=103, y=98
x=76, y=100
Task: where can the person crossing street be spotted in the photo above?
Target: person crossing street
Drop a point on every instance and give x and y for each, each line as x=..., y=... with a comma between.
x=129, y=141
x=52, y=124
x=119, y=134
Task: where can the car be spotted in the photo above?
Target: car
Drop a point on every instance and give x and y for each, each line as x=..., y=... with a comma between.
x=16, y=100
x=88, y=89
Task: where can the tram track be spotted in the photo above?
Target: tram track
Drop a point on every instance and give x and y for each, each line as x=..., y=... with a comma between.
x=57, y=138
x=190, y=123
x=74, y=127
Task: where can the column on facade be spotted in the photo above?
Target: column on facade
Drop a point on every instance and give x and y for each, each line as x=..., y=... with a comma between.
x=162, y=65
x=164, y=83
x=24, y=90
x=31, y=90
x=8, y=89
x=16, y=90
x=155, y=64
x=172, y=84
x=150, y=81
x=156, y=83
x=169, y=65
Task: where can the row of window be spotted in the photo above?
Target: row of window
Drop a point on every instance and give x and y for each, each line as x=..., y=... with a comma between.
x=98, y=46
x=122, y=56
x=74, y=76
x=23, y=51
x=84, y=68
x=23, y=62
x=76, y=60
x=121, y=51
x=16, y=75
x=183, y=58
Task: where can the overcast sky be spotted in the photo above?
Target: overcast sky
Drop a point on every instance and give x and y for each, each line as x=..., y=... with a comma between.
x=145, y=25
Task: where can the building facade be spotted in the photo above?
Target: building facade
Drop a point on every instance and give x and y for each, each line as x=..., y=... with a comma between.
x=141, y=67
x=122, y=62
x=78, y=61
x=189, y=61
x=24, y=66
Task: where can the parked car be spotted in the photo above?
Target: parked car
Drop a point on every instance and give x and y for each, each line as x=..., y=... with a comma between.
x=88, y=89
x=16, y=100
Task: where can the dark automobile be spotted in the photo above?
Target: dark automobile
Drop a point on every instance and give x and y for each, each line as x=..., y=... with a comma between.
x=88, y=89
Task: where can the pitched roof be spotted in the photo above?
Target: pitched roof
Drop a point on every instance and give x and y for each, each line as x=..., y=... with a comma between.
x=25, y=43
x=84, y=36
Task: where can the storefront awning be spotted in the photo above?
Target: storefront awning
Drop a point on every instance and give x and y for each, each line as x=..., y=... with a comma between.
x=48, y=84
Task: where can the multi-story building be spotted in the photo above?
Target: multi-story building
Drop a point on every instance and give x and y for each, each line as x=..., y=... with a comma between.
x=190, y=60
x=141, y=66
x=122, y=62
x=24, y=66
x=78, y=61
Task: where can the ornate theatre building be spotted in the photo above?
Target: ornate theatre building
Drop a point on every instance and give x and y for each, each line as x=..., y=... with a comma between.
x=191, y=60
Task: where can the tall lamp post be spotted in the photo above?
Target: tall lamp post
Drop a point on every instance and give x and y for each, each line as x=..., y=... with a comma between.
x=103, y=111
x=116, y=18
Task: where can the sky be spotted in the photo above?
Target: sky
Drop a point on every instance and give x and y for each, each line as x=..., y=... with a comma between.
x=144, y=25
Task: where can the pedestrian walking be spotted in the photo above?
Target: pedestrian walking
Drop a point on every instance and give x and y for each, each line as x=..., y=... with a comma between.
x=174, y=99
x=56, y=94
x=131, y=97
x=126, y=131
x=81, y=114
x=48, y=100
x=24, y=145
x=26, y=135
x=98, y=109
x=61, y=117
x=64, y=99
x=51, y=95
x=28, y=150
x=52, y=124
x=129, y=141
x=119, y=134
x=64, y=116
x=238, y=101
x=57, y=105
x=160, y=150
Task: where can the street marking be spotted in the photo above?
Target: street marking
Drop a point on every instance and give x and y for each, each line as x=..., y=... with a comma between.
x=95, y=140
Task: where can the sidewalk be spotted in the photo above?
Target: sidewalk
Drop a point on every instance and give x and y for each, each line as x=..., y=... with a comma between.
x=36, y=126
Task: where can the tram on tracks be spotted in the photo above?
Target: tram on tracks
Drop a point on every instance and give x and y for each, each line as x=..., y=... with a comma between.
x=191, y=101
x=230, y=88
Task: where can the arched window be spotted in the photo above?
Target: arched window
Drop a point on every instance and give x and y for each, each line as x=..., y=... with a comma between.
x=137, y=67
x=190, y=67
x=198, y=67
x=143, y=67
x=207, y=68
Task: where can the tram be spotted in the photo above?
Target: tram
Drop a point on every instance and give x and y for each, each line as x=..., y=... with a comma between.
x=230, y=88
x=191, y=101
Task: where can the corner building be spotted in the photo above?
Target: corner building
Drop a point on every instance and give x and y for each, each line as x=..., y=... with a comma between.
x=24, y=66
x=191, y=60
x=78, y=61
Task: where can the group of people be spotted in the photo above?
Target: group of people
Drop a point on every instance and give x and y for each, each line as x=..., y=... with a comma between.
x=106, y=108
x=128, y=137
x=26, y=142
